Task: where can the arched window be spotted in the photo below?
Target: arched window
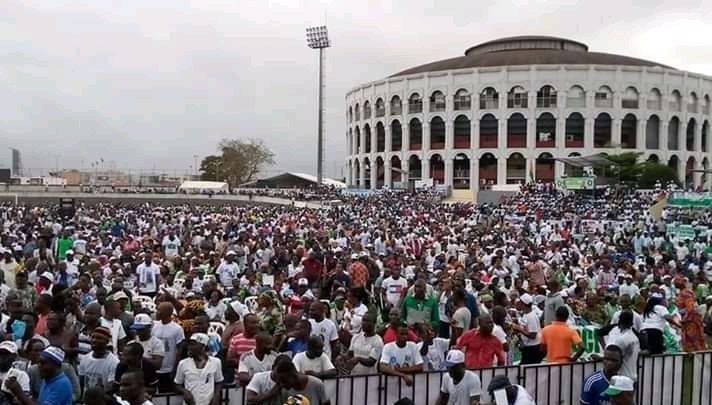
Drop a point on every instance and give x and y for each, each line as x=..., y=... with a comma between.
x=489, y=131
x=415, y=104
x=366, y=110
x=652, y=133
x=675, y=101
x=602, y=131
x=692, y=103
x=674, y=134
x=462, y=132
x=516, y=169
x=350, y=141
x=575, y=128
x=655, y=100
x=690, y=135
x=706, y=106
x=546, y=131
x=351, y=114
x=396, y=136
x=488, y=171
x=396, y=106
x=544, y=168
x=367, y=136
x=437, y=102
x=380, y=138
x=489, y=99
x=604, y=97
x=630, y=98
x=629, y=132
x=415, y=128
x=461, y=100
x=517, y=131
x=357, y=112
x=546, y=97
x=674, y=164
x=703, y=135
x=461, y=172
x=576, y=97
x=437, y=169
x=380, y=108
x=517, y=97
x=437, y=133
x=415, y=168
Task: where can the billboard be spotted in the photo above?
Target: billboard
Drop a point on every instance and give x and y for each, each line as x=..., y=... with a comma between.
x=575, y=183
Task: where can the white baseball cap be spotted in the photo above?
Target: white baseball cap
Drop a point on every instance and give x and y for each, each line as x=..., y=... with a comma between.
x=49, y=276
x=619, y=384
x=9, y=346
x=526, y=299
x=454, y=357
x=201, y=338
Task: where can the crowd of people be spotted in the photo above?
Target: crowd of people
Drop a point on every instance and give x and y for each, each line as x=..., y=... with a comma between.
x=123, y=302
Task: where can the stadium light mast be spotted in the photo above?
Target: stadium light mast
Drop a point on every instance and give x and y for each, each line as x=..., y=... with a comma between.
x=318, y=38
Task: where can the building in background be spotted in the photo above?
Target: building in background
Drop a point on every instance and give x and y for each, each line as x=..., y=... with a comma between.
x=501, y=113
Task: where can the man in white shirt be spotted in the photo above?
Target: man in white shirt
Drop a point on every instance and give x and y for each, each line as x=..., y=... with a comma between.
x=401, y=358
x=228, y=270
x=153, y=350
x=199, y=378
x=259, y=359
x=8, y=355
x=529, y=328
x=365, y=348
x=9, y=266
x=148, y=273
x=459, y=386
x=171, y=245
x=624, y=337
x=314, y=361
x=171, y=334
x=263, y=388
x=98, y=367
x=323, y=327
x=394, y=286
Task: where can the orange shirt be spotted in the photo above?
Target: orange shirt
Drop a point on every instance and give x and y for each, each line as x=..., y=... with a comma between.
x=558, y=339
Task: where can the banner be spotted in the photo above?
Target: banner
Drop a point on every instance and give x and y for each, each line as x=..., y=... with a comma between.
x=575, y=183
x=686, y=199
x=681, y=231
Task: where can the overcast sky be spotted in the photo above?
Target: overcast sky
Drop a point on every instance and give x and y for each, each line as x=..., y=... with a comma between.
x=151, y=83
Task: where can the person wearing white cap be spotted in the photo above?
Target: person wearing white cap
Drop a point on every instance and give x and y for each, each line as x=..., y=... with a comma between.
x=528, y=328
x=459, y=386
x=8, y=355
x=621, y=390
x=199, y=378
x=153, y=350
x=227, y=271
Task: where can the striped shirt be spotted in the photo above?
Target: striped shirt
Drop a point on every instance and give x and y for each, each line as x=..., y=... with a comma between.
x=593, y=390
x=239, y=344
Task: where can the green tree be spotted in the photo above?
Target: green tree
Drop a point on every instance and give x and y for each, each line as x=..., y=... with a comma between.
x=627, y=169
x=240, y=161
x=652, y=172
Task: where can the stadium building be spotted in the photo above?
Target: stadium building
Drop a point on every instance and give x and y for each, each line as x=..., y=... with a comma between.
x=501, y=113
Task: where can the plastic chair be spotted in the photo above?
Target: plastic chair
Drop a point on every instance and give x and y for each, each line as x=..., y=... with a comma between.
x=217, y=328
x=144, y=299
x=251, y=303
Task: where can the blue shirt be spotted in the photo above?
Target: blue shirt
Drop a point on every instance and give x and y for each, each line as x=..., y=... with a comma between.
x=297, y=346
x=56, y=391
x=593, y=391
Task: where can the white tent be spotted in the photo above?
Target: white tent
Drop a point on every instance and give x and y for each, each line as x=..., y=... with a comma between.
x=201, y=186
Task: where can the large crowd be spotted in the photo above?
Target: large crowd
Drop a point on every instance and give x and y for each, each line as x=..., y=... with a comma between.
x=123, y=302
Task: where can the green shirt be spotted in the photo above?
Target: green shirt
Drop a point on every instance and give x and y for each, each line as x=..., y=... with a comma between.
x=63, y=245
x=415, y=310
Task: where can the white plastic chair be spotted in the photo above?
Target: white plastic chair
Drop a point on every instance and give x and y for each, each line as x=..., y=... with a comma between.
x=144, y=299
x=150, y=306
x=216, y=328
x=251, y=303
x=179, y=283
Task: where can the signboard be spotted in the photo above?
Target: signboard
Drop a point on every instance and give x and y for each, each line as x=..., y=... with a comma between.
x=575, y=183
x=685, y=199
x=681, y=231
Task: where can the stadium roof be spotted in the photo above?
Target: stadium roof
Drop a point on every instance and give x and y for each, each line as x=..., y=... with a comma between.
x=596, y=160
x=288, y=178
x=529, y=50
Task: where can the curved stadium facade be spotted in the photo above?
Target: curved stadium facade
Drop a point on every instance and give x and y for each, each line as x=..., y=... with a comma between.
x=501, y=113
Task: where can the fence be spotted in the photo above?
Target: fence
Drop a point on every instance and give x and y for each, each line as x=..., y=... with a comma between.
x=671, y=379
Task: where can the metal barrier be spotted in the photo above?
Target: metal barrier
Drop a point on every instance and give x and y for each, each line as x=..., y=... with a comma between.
x=674, y=379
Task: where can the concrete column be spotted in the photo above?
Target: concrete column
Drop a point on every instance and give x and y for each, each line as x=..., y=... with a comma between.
x=663, y=137
x=531, y=131
x=405, y=178
x=449, y=166
x=426, y=137
x=374, y=138
x=558, y=169
x=560, y=132
x=363, y=141
x=588, y=133
x=502, y=170
x=616, y=134
x=640, y=134
x=425, y=168
x=387, y=174
x=698, y=137
x=449, y=135
x=502, y=135
x=474, y=175
x=374, y=172
x=362, y=174
x=530, y=169
x=474, y=135
x=389, y=141
x=405, y=130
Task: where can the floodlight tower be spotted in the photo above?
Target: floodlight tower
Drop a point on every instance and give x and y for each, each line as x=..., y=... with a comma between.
x=318, y=38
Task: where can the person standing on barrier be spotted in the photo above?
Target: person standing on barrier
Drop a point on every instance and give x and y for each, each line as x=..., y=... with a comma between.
x=459, y=386
x=594, y=387
x=621, y=391
x=654, y=317
x=558, y=338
